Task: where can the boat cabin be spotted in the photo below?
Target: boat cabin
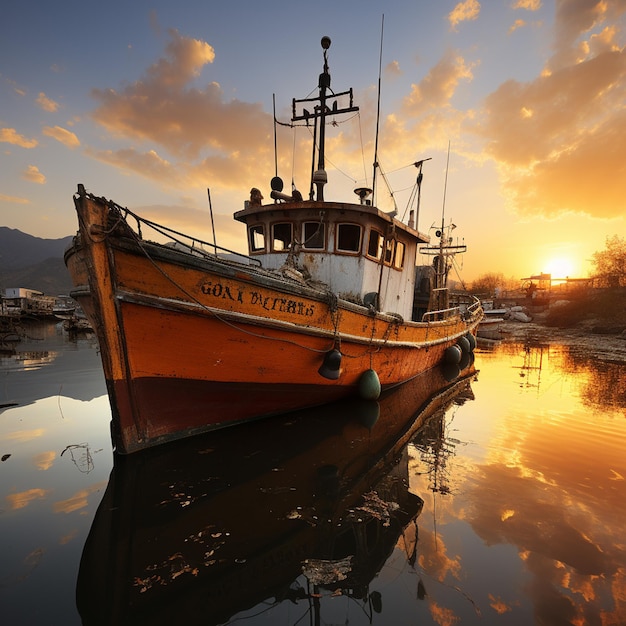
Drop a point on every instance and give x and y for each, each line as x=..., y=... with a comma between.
x=358, y=252
x=361, y=254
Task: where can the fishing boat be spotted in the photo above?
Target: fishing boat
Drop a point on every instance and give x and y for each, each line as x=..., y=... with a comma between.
x=326, y=304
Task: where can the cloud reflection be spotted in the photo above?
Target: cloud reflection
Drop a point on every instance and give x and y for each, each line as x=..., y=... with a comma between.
x=22, y=499
x=79, y=500
x=45, y=460
x=551, y=485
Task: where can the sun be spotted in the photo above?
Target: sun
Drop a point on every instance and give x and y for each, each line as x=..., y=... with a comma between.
x=560, y=267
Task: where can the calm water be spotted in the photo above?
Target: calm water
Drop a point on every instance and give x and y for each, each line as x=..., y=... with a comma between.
x=506, y=507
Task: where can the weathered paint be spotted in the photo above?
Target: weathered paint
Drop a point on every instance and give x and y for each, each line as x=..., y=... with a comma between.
x=178, y=333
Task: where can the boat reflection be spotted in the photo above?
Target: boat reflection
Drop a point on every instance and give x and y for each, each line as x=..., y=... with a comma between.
x=283, y=509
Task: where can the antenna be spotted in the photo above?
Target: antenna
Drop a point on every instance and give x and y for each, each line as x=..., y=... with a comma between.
x=380, y=65
x=275, y=148
x=445, y=187
x=212, y=222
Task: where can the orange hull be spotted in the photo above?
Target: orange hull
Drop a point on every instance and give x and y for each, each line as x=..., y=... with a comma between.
x=192, y=343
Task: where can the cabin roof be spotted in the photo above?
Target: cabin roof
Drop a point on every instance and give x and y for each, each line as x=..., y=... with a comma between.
x=249, y=214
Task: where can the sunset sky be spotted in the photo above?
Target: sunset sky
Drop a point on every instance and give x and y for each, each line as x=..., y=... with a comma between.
x=150, y=103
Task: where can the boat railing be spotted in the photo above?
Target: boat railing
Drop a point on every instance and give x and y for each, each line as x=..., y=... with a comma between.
x=193, y=244
x=190, y=243
x=470, y=311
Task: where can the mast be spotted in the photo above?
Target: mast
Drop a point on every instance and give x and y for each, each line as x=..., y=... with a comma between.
x=444, y=252
x=320, y=111
x=380, y=68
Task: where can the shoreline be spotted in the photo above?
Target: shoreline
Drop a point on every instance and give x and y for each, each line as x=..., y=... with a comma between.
x=580, y=339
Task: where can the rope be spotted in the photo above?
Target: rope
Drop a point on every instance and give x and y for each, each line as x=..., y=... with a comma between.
x=191, y=297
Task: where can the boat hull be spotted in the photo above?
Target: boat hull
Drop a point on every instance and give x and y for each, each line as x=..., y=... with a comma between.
x=191, y=343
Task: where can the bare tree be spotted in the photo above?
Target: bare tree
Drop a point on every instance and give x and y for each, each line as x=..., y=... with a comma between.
x=610, y=263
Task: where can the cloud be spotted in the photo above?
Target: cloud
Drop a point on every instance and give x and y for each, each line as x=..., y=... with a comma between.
x=79, y=500
x=393, y=69
x=558, y=139
x=24, y=498
x=45, y=460
x=464, y=11
x=25, y=435
x=439, y=85
x=33, y=175
x=529, y=5
x=202, y=134
x=66, y=137
x=148, y=164
x=427, y=116
x=46, y=103
x=13, y=199
x=575, y=20
x=517, y=24
x=10, y=135
x=164, y=109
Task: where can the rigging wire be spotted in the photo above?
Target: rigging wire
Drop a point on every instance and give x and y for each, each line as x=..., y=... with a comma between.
x=362, y=148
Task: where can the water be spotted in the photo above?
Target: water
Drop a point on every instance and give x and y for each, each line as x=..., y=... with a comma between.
x=506, y=507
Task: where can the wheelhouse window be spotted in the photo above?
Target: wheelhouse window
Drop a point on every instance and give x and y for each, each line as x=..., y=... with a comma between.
x=314, y=236
x=375, y=244
x=348, y=238
x=389, y=248
x=256, y=236
x=282, y=236
x=398, y=259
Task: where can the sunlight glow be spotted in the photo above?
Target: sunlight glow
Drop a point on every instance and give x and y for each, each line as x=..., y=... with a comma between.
x=560, y=268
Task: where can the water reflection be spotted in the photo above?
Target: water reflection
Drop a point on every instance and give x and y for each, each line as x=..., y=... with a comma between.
x=543, y=473
x=521, y=480
x=279, y=516
x=45, y=363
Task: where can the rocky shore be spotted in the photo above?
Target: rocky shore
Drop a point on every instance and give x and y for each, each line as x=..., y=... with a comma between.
x=599, y=338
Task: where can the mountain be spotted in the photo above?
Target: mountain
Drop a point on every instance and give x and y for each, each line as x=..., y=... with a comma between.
x=33, y=262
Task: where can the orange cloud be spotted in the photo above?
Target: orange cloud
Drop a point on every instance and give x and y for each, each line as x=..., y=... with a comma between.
x=66, y=137
x=517, y=24
x=498, y=605
x=45, y=460
x=439, y=85
x=434, y=558
x=33, y=175
x=24, y=435
x=46, y=103
x=148, y=164
x=442, y=616
x=574, y=21
x=13, y=199
x=463, y=12
x=428, y=117
x=529, y=5
x=163, y=109
x=559, y=139
x=202, y=135
x=24, y=498
x=79, y=500
x=10, y=135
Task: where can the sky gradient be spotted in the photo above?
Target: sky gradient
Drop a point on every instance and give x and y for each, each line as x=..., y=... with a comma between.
x=149, y=104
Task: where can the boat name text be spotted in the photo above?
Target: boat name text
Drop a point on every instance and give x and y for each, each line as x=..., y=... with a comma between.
x=255, y=298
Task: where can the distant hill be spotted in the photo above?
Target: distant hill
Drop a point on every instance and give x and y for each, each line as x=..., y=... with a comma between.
x=33, y=263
